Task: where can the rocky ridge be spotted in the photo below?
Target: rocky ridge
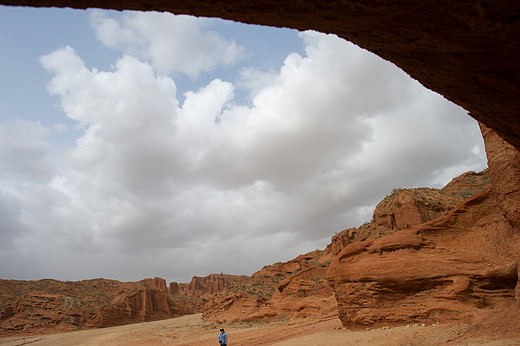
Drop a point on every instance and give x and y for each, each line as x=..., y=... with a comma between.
x=462, y=266
x=299, y=288
x=427, y=256
x=49, y=306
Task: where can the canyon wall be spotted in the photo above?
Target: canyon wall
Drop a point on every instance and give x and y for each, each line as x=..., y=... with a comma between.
x=206, y=286
x=50, y=306
x=459, y=267
x=299, y=288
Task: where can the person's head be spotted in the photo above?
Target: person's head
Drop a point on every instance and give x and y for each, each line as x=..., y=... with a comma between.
x=222, y=330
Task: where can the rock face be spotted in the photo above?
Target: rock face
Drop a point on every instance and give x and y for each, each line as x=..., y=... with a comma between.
x=292, y=289
x=465, y=50
x=191, y=297
x=145, y=304
x=299, y=288
x=459, y=267
x=207, y=285
x=49, y=306
x=504, y=162
x=404, y=208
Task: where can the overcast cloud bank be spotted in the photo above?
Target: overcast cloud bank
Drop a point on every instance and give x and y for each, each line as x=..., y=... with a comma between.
x=156, y=187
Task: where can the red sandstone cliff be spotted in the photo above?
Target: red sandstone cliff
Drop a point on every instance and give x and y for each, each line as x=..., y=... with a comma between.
x=299, y=288
x=191, y=297
x=49, y=306
x=207, y=285
x=459, y=267
x=283, y=290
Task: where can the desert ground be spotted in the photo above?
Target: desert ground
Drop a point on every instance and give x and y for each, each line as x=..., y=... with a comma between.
x=193, y=330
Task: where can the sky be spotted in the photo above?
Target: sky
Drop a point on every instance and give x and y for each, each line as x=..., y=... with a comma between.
x=136, y=145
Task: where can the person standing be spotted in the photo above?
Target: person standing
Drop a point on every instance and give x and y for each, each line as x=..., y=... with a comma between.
x=222, y=337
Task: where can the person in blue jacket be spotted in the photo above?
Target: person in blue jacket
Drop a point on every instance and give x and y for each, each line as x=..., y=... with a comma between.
x=222, y=337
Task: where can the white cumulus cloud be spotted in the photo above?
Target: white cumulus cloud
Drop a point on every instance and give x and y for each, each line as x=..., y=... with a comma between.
x=170, y=43
x=154, y=186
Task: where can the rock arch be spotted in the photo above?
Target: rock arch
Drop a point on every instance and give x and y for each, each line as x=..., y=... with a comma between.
x=465, y=50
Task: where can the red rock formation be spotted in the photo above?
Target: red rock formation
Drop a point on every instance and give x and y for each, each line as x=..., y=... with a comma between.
x=45, y=306
x=407, y=207
x=298, y=288
x=444, y=270
x=504, y=164
x=458, y=267
x=158, y=283
x=42, y=311
x=292, y=289
x=190, y=297
x=174, y=288
x=465, y=50
x=208, y=285
x=143, y=305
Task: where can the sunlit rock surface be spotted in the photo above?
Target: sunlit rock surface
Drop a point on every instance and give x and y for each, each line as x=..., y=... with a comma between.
x=299, y=288
x=459, y=267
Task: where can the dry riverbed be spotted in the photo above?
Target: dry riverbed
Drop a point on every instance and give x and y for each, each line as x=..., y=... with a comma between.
x=193, y=330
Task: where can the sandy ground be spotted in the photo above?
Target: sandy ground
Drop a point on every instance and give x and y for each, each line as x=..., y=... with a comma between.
x=193, y=330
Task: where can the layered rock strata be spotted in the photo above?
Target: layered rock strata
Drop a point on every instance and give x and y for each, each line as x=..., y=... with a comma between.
x=459, y=267
x=299, y=288
x=191, y=297
x=50, y=306
x=293, y=289
x=207, y=285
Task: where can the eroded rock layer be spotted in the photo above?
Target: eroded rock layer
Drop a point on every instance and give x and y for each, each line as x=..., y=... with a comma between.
x=50, y=306
x=191, y=297
x=462, y=266
x=293, y=289
x=299, y=288
x=205, y=286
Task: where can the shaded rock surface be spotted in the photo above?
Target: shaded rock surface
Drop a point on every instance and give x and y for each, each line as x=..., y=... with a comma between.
x=299, y=288
x=462, y=266
x=464, y=50
x=504, y=162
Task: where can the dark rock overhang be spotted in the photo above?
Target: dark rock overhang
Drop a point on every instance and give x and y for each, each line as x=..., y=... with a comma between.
x=467, y=51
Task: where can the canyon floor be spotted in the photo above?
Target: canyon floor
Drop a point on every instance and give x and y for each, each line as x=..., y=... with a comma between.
x=193, y=330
